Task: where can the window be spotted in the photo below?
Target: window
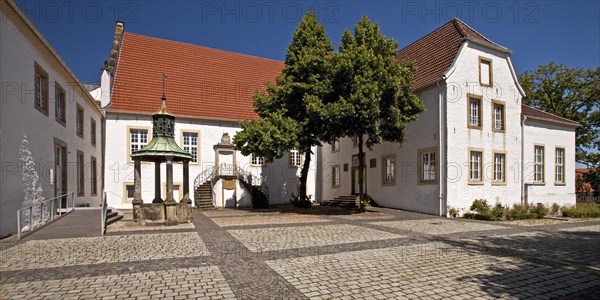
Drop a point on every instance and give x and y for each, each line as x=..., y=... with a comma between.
x=295, y=158
x=257, y=160
x=79, y=121
x=129, y=192
x=427, y=166
x=335, y=146
x=485, y=71
x=80, y=174
x=474, y=112
x=538, y=164
x=389, y=170
x=499, y=167
x=499, y=116
x=94, y=175
x=475, y=166
x=355, y=141
x=41, y=90
x=93, y=131
x=138, y=138
x=559, y=172
x=335, y=176
x=60, y=105
x=190, y=144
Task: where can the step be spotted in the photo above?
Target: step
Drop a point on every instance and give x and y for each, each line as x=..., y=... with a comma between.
x=114, y=216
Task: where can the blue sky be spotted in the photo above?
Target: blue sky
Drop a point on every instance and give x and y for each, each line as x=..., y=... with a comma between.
x=566, y=32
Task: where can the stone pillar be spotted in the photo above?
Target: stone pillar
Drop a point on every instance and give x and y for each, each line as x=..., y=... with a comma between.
x=137, y=181
x=170, y=204
x=186, y=183
x=170, y=180
x=137, y=194
x=157, y=197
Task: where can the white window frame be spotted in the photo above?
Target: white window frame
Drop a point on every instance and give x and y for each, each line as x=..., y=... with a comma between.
x=474, y=113
x=475, y=166
x=257, y=160
x=559, y=166
x=538, y=164
x=388, y=167
x=427, y=166
x=498, y=116
x=499, y=170
x=187, y=138
x=138, y=144
x=60, y=104
x=335, y=145
x=295, y=158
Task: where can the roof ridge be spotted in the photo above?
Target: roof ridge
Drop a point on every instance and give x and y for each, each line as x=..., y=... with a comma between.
x=201, y=46
x=456, y=25
x=545, y=112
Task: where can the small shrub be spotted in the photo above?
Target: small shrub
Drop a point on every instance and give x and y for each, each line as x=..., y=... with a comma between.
x=518, y=212
x=469, y=215
x=482, y=217
x=498, y=211
x=555, y=209
x=480, y=206
x=582, y=210
x=302, y=202
x=538, y=212
x=453, y=212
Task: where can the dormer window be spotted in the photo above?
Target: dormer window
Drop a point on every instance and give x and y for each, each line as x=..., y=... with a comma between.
x=485, y=71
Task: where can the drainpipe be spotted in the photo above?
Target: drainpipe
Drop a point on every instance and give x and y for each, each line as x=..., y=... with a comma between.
x=442, y=148
x=523, y=119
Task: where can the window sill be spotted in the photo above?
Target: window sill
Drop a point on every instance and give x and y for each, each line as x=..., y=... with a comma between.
x=475, y=182
x=427, y=182
x=499, y=130
x=499, y=183
x=474, y=127
x=560, y=183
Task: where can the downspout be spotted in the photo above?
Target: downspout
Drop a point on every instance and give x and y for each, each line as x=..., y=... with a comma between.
x=442, y=148
x=523, y=119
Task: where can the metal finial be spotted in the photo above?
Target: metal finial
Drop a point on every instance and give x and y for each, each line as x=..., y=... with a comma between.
x=164, y=77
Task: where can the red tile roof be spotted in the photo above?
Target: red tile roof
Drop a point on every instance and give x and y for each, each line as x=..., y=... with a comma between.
x=434, y=53
x=535, y=113
x=202, y=82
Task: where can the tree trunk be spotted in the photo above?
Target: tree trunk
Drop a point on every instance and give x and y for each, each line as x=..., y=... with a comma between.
x=304, y=175
x=361, y=173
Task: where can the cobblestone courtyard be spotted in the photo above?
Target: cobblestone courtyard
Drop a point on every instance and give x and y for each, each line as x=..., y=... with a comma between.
x=324, y=254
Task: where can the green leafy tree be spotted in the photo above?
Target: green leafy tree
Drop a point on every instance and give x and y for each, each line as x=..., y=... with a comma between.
x=572, y=93
x=293, y=112
x=374, y=95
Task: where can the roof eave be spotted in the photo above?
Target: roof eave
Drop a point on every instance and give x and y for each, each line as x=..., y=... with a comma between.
x=553, y=121
x=489, y=45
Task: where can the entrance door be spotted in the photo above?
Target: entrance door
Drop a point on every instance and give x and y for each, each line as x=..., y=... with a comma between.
x=60, y=173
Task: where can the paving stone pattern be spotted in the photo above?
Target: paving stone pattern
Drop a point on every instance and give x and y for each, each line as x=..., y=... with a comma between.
x=325, y=254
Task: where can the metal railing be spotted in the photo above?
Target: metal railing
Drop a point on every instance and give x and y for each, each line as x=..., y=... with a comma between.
x=35, y=216
x=251, y=182
x=203, y=177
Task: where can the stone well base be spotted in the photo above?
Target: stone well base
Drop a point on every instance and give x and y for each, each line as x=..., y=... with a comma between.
x=161, y=213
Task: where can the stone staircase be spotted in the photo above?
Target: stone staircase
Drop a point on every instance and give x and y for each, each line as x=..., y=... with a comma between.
x=203, y=196
x=350, y=201
x=113, y=215
x=259, y=199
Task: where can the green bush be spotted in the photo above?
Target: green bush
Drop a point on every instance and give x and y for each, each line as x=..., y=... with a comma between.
x=518, y=212
x=582, y=210
x=498, y=211
x=480, y=206
x=482, y=217
x=538, y=212
x=453, y=212
x=301, y=202
x=554, y=209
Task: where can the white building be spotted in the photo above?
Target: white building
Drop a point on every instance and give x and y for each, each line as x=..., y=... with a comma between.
x=474, y=141
x=210, y=93
x=47, y=118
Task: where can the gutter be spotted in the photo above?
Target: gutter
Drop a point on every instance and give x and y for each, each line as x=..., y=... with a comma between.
x=523, y=119
x=442, y=145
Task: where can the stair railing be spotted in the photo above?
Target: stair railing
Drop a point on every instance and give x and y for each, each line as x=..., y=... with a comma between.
x=104, y=214
x=204, y=176
x=245, y=178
